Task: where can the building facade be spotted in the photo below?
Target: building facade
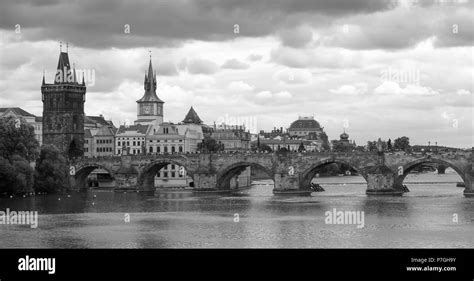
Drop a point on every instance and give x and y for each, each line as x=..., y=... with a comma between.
x=231, y=137
x=130, y=139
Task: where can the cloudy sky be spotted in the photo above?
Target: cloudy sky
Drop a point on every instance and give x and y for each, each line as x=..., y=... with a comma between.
x=377, y=68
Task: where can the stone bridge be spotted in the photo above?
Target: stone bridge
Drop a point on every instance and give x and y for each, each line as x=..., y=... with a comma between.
x=291, y=172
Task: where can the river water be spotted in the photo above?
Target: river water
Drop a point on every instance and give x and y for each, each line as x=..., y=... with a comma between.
x=424, y=217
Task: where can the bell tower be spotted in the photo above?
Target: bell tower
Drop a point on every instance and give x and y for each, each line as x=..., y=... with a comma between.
x=63, y=109
x=149, y=107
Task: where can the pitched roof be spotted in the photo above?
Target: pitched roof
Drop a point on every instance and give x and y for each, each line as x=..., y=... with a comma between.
x=192, y=117
x=17, y=111
x=141, y=129
x=64, y=66
x=97, y=120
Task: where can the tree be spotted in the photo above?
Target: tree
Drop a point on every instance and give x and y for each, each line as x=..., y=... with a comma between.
x=402, y=143
x=325, y=146
x=16, y=176
x=209, y=145
x=372, y=146
x=17, y=138
x=51, y=170
x=265, y=148
x=338, y=146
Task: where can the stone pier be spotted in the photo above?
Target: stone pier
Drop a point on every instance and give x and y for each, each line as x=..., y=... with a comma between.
x=381, y=181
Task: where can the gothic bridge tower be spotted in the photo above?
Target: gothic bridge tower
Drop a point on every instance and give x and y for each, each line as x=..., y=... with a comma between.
x=63, y=109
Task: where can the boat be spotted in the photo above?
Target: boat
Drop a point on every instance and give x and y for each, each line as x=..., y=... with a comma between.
x=316, y=187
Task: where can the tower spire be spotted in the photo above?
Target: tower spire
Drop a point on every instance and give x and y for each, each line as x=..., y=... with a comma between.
x=74, y=78
x=43, y=77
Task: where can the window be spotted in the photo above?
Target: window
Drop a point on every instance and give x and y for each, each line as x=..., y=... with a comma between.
x=128, y=143
x=165, y=174
x=134, y=151
x=151, y=149
x=134, y=143
x=173, y=174
x=158, y=149
x=166, y=149
x=173, y=149
x=180, y=149
x=118, y=143
x=172, y=166
x=118, y=151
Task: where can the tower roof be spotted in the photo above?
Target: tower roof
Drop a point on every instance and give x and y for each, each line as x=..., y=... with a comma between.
x=150, y=87
x=192, y=117
x=64, y=71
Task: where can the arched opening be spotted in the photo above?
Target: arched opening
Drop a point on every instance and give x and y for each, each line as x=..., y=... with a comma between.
x=164, y=175
x=94, y=177
x=334, y=176
x=244, y=176
x=422, y=177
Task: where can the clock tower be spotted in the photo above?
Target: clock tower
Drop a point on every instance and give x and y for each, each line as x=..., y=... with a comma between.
x=149, y=107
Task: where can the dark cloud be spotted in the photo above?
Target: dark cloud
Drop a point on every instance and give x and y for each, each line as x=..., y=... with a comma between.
x=101, y=24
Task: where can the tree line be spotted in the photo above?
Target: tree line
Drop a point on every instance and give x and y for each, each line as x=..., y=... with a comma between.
x=19, y=151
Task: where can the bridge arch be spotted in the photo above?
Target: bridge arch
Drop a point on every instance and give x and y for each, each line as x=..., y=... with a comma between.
x=146, y=178
x=407, y=168
x=224, y=177
x=83, y=171
x=310, y=172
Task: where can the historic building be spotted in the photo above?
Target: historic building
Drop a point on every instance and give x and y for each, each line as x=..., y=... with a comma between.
x=99, y=140
x=174, y=138
x=231, y=137
x=304, y=133
x=35, y=121
x=130, y=139
x=343, y=143
x=63, y=109
x=149, y=107
x=306, y=127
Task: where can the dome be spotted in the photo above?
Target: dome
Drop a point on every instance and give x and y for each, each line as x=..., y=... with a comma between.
x=344, y=136
x=305, y=123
